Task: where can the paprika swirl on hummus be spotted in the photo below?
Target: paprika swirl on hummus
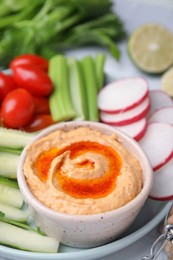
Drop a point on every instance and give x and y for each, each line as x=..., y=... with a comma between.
x=82, y=171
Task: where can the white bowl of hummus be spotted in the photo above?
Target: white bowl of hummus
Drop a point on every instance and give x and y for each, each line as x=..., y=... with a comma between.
x=84, y=182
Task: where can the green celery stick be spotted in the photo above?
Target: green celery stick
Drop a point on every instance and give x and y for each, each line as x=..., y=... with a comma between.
x=89, y=72
x=77, y=89
x=100, y=61
x=60, y=101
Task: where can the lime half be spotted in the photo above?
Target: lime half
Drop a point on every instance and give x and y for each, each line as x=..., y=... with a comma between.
x=167, y=82
x=151, y=48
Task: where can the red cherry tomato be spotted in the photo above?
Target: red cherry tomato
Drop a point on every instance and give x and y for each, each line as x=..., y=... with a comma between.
x=36, y=81
x=38, y=122
x=7, y=84
x=17, y=108
x=30, y=59
x=41, y=105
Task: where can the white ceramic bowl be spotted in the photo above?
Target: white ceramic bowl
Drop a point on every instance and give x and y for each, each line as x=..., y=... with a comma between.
x=87, y=230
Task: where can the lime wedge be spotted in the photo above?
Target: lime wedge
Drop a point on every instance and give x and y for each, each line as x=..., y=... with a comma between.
x=167, y=82
x=150, y=47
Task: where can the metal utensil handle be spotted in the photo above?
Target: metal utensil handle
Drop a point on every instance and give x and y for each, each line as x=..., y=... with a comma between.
x=156, y=248
x=161, y=241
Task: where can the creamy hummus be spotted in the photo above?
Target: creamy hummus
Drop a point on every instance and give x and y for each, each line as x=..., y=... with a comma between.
x=82, y=171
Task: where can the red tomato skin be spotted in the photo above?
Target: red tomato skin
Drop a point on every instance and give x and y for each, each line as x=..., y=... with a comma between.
x=2, y=124
x=38, y=122
x=17, y=108
x=41, y=105
x=36, y=81
x=7, y=84
x=30, y=59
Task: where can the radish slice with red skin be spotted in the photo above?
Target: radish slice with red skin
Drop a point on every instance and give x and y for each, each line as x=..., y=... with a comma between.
x=162, y=188
x=164, y=115
x=159, y=99
x=135, y=130
x=127, y=117
x=122, y=95
x=158, y=144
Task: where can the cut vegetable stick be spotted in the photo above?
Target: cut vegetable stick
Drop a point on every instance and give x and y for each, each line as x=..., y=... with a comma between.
x=10, y=195
x=26, y=240
x=164, y=115
x=100, y=61
x=91, y=84
x=60, y=102
x=158, y=144
x=135, y=130
x=77, y=89
x=162, y=188
x=14, y=213
x=14, y=139
x=127, y=117
x=122, y=95
x=8, y=165
x=159, y=99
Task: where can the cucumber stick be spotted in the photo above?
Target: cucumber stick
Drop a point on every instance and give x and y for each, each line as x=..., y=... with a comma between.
x=91, y=84
x=14, y=139
x=14, y=213
x=26, y=240
x=60, y=101
x=77, y=89
x=10, y=195
x=8, y=165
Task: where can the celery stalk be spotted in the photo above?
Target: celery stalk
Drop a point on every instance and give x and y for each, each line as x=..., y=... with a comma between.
x=100, y=61
x=89, y=73
x=60, y=101
x=77, y=89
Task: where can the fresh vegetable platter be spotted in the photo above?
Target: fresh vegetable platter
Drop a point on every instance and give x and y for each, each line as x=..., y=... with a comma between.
x=98, y=67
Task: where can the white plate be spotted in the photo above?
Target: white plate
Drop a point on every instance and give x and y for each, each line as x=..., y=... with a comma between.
x=134, y=13
x=150, y=216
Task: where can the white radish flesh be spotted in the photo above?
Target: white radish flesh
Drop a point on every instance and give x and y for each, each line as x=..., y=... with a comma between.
x=162, y=188
x=135, y=130
x=127, y=117
x=158, y=144
x=159, y=99
x=122, y=95
x=164, y=115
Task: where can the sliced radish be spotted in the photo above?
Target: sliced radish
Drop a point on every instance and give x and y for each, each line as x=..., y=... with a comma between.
x=158, y=144
x=122, y=95
x=162, y=188
x=159, y=99
x=127, y=117
x=135, y=130
x=164, y=115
